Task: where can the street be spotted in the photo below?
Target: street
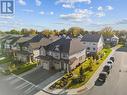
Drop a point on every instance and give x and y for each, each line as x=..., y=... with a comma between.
x=116, y=83
x=12, y=85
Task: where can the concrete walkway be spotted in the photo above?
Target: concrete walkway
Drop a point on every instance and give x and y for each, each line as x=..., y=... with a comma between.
x=51, y=80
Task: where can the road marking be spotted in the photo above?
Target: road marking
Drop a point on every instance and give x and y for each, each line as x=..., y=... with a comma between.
x=10, y=78
x=14, y=81
x=29, y=90
x=22, y=85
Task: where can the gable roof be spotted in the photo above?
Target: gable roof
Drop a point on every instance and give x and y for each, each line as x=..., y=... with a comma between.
x=24, y=39
x=36, y=38
x=70, y=46
x=91, y=37
x=43, y=42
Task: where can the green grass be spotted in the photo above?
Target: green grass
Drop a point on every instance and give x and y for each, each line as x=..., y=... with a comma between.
x=23, y=68
x=87, y=74
x=6, y=60
x=16, y=67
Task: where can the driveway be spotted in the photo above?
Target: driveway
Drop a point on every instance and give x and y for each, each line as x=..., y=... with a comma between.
x=39, y=75
x=116, y=82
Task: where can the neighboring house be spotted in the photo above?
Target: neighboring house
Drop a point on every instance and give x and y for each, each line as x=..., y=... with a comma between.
x=30, y=48
x=63, y=54
x=22, y=51
x=8, y=42
x=93, y=42
x=111, y=40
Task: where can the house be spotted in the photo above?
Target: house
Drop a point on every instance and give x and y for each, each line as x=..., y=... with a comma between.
x=30, y=47
x=7, y=43
x=93, y=42
x=22, y=51
x=111, y=40
x=63, y=54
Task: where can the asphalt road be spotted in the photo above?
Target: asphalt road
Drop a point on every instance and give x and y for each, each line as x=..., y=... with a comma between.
x=116, y=83
x=12, y=85
x=39, y=75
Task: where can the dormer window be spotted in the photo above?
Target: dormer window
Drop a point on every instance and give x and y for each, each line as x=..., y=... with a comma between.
x=68, y=37
x=57, y=48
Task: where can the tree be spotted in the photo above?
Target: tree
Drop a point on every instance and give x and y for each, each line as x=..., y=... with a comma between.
x=24, y=31
x=75, y=31
x=63, y=31
x=13, y=31
x=32, y=32
x=91, y=63
x=81, y=74
x=107, y=31
x=46, y=33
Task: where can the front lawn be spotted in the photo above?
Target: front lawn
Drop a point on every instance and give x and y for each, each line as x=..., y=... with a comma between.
x=72, y=80
x=5, y=60
x=21, y=68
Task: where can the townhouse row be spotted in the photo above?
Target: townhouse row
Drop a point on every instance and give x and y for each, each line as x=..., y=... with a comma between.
x=56, y=52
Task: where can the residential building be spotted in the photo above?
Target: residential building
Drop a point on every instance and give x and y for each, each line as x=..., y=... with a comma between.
x=111, y=40
x=30, y=47
x=93, y=43
x=63, y=54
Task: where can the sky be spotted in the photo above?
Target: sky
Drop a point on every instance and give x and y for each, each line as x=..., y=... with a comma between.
x=59, y=14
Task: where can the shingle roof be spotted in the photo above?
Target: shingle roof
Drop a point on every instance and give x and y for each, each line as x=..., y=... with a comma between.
x=14, y=40
x=91, y=37
x=24, y=39
x=36, y=38
x=70, y=46
x=43, y=42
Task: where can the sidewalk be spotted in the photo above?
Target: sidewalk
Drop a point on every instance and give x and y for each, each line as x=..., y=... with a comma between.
x=85, y=87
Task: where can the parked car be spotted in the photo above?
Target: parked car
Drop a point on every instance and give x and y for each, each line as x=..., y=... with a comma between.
x=110, y=62
x=112, y=58
x=102, y=77
x=107, y=68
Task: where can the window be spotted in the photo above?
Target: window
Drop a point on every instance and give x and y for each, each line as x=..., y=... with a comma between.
x=94, y=49
x=88, y=48
x=49, y=53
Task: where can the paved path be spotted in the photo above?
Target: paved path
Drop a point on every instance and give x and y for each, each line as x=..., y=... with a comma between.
x=116, y=83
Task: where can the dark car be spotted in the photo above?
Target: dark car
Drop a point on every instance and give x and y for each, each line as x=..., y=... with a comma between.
x=110, y=62
x=112, y=58
x=102, y=77
x=107, y=68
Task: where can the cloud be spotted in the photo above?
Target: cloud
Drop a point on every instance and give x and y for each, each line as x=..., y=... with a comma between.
x=109, y=7
x=22, y=2
x=122, y=21
x=78, y=15
x=38, y=2
x=68, y=6
x=73, y=1
x=28, y=10
x=100, y=14
x=42, y=12
x=6, y=17
x=100, y=8
x=51, y=13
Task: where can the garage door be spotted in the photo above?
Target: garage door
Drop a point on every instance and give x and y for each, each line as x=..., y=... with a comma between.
x=46, y=66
